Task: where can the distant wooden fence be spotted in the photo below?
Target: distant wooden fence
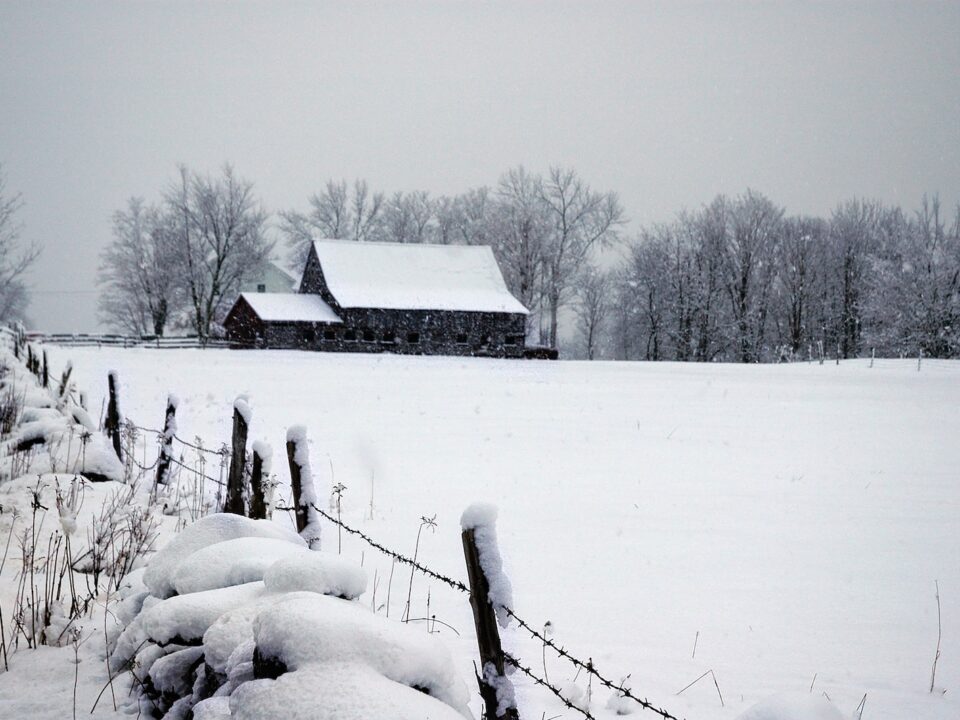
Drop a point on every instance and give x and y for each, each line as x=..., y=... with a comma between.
x=125, y=341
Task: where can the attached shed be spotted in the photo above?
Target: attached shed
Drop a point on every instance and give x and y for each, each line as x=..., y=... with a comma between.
x=375, y=297
x=279, y=319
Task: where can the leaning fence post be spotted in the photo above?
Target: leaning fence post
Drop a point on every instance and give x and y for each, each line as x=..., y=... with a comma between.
x=112, y=426
x=301, y=483
x=65, y=379
x=262, y=454
x=46, y=371
x=484, y=568
x=166, y=440
x=241, y=424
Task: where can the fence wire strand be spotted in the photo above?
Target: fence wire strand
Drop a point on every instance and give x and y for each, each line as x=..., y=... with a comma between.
x=511, y=660
x=588, y=666
x=455, y=584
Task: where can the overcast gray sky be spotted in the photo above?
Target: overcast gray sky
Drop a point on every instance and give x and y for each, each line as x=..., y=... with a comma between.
x=668, y=104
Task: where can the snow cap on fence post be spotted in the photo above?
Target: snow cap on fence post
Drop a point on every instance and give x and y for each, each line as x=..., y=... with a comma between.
x=490, y=595
x=301, y=483
x=482, y=519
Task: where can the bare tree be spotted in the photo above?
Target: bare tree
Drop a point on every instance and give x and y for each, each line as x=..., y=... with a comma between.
x=912, y=303
x=750, y=271
x=14, y=261
x=800, y=259
x=367, y=208
x=339, y=212
x=447, y=214
x=645, y=297
x=140, y=292
x=579, y=219
x=218, y=226
x=592, y=308
x=329, y=217
x=406, y=217
x=520, y=229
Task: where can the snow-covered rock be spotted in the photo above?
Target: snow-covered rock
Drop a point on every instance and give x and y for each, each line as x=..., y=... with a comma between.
x=307, y=630
x=232, y=562
x=318, y=573
x=334, y=691
x=160, y=575
x=181, y=618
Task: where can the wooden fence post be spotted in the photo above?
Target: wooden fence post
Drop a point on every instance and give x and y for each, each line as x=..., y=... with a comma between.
x=301, y=483
x=166, y=441
x=488, y=636
x=261, y=460
x=241, y=424
x=65, y=379
x=46, y=371
x=112, y=426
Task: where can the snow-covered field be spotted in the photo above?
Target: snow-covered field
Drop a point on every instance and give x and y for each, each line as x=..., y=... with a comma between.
x=789, y=520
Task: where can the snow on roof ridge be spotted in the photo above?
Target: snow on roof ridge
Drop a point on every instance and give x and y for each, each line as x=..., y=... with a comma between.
x=415, y=276
x=389, y=243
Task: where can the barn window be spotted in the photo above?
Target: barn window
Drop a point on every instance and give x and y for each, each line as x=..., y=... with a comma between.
x=350, y=335
x=368, y=336
x=513, y=340
x=309, y=334
x=461, y=338
x=413, y=338
x=330, y=334
x=261, y=288
x=389, y=336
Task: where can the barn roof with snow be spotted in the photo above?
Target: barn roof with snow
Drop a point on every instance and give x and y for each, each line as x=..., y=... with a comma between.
x=399, y=276
x=294, y=307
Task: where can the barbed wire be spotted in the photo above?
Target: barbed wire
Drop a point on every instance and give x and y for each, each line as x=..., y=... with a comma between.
x=144, y=468
x=540, y=681
x=199, y=448
x=588, y=667
x=455, y=584
x=143, y=429
x=559, y=649
x=197, y=472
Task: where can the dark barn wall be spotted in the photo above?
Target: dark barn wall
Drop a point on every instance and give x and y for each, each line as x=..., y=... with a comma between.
x=243, y=325
x=417, y=332
x=432, y=332
x=314, y=283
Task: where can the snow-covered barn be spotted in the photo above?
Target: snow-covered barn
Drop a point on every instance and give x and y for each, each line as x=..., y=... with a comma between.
x=388, y=297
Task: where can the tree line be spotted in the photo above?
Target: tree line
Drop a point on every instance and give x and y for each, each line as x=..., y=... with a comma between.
x=735, y=280
x=739, y=281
